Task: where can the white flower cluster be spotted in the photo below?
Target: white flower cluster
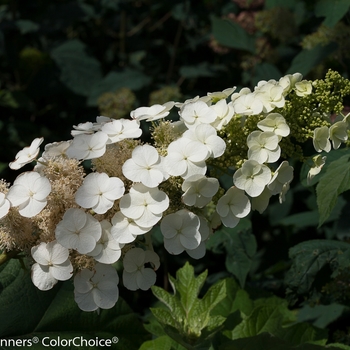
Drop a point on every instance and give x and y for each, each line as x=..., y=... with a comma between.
x=112, y=219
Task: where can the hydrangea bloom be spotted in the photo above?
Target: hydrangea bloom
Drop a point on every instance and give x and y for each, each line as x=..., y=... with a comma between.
x=197, y=113
x=78, y=230
x=263, y=146
x=204, y=230
x=338, y=133
x=318, y=163
x=52, y=265
x=152, y=113
x=107, y=250
x=86, y=146
x=303, y=88
x=199, y=190
x=282, y=175
x=186, y=157
x=121, y=129
x=248, y=104
x=135, y=274
x=29, y=193
x=146, y=166
x=232, y=206
x=321, y=139
x=271, y=96
x=99, y=191
x=180, y=231
x=224, y=113
x=252, y=177
x=206, y=134
x=27, y=154
x=144, y=205
x=96, y=289
x=125, y=230
x=4, y=205
x=275, y=123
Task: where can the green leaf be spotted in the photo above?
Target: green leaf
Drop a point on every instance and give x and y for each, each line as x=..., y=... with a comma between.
x=163, y=342
x=129, y=78
x=266, y=341
x=241, y=248
x=187, y=286
x=308, y=258
x=231, y=34
x=320, y=315
x=26, y=26
x=332, y=10
x=80, y=72
x=306, y=60
x=335, y=181
x=236, y=299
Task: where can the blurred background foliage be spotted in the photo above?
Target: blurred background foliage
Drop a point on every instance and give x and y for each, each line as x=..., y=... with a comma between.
x=63, y=62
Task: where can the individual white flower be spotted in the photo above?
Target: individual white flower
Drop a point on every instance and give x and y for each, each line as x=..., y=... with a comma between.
x=271, y=95
x=252, y=177
x=233, y=206
x=261, y=202
x=263, y=146
x=303, y=88
x=27, y=154
x=78, y=230
x=107, y=250
x=221, y=95
x=144, y=205
x=206, y=134
x=321, y=139
x=224, y=113
x=205, y=99
x=4, y=205
x=152, y=113
x=55, y=149
x=146, y=166
x=86, y=146
x=243, y=91
x=125, y=230
x=248, y=105
x=275, y=123
x=282, y=175
x=98, y=288
x=186, y=157
x=199, y=190
x=99, y=191
x=205, y=231
x=135, y=274
x=288, y=82
x=121, y=129
x=83, y=128
x=196, y=113
x=318, y=163
x=180, y=231
x=52, y=265
x=282, y=195
x=338, y=133
x=29, y=192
